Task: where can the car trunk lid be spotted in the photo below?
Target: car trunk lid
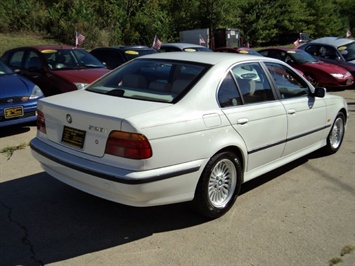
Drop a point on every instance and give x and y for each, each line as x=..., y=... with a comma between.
x=83, y=120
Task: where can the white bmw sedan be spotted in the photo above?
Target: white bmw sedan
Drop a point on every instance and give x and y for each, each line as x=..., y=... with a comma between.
x=175, y=127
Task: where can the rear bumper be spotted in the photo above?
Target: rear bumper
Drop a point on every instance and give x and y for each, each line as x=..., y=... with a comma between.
x=160, y=186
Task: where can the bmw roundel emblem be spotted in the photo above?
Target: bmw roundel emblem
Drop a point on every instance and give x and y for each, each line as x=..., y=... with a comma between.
x=69, y=119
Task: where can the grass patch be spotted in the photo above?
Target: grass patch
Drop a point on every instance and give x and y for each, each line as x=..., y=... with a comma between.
x=345, y=250
x=334, y=261
x=9, y=41
x=9, y=151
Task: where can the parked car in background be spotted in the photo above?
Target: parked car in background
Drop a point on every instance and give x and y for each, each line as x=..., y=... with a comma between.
x=287, y=38
x=55, y=68
x=18, y=98
x=183, y=47
x=317, y=72
x=334, y=50
x=115, y=56
x=174, y=127
x=237, y=50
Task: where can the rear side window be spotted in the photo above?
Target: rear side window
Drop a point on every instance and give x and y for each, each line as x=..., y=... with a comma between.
x=245, y=84
x=228, y=93
x=253, y=83
x=16, y=59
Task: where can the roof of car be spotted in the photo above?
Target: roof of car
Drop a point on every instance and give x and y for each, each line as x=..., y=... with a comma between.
x=207, y=58
x=280, y=48
x=127, y=47
x=181, y=45
x=334, y=41
x=48, y=47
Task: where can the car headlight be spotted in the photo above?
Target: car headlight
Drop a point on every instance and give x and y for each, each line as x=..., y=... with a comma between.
x=340, y=76
x=81, y=86
x=36, y=93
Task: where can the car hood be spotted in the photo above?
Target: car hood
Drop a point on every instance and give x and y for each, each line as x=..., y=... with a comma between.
x=86, y=75
x=326, y=67
x=15, y=85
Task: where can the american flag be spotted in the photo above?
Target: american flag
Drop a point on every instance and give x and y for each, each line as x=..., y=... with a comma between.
x=348, y=33
x=79, y=39
x=202, y=41
x=296, y=43
x=156, y=43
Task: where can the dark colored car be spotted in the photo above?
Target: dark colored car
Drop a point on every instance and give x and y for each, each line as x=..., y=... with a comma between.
x=55, y=68
x=18, y=98
x=287, y=38
x=115, y=56
x=334, y=50
x=183, y=47
x=317, y=72
x=237, y=50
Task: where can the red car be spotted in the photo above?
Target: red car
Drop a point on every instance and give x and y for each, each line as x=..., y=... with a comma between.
x=319, y=73
x=55, y=68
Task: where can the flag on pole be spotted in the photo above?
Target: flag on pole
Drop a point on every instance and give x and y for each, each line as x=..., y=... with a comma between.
x=348, y=33
x=202, y=41
x=156, y=43
x=79, y=39
x=296, y=43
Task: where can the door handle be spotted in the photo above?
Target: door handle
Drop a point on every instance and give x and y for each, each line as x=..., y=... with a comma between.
x=242, y=121
x=291, y=111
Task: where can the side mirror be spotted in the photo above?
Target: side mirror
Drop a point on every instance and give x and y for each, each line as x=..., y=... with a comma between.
x=319, y=92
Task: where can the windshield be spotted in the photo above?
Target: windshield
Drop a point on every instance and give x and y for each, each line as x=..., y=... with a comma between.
x=348, y=51
x=301, y=57
x=71, y=59
x=5, y=70
x=151, y=80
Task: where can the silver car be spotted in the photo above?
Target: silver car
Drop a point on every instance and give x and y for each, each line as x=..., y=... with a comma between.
x=334, y=50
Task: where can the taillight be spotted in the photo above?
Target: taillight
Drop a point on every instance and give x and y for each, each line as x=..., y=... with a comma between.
x=128, y=145
x=41, y=122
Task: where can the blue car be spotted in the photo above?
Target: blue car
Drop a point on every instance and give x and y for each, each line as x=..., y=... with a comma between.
x=18, y=98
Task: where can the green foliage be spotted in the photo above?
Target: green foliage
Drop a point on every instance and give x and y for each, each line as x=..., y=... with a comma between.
x=115, y=22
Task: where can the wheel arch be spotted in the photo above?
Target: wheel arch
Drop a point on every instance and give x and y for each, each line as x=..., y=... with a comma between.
x=238, y=152
x=345, y=113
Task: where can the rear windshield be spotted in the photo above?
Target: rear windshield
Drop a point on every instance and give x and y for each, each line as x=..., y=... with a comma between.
x=151, y=80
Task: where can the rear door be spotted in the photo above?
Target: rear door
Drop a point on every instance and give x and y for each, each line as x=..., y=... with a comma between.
x=252, y=110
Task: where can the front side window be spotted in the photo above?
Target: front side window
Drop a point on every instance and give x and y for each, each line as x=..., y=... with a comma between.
x=33, y=62
x=288, y=84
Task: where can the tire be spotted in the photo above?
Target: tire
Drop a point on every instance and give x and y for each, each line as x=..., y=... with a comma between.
x=336, y=135
x=219, y=185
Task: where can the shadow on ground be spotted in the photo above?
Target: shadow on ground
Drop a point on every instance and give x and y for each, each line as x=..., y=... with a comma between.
x=44, y=221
